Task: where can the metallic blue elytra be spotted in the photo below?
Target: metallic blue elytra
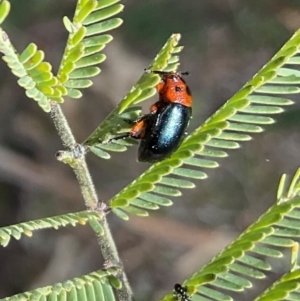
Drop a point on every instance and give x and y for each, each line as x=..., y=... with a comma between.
x=164, y=131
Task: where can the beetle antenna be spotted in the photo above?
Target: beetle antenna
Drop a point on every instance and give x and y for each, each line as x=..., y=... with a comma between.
x=184, y=73
x=156, y=71
x=165, y=72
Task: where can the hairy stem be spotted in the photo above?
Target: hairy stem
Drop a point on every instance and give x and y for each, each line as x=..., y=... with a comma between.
x=88, y=191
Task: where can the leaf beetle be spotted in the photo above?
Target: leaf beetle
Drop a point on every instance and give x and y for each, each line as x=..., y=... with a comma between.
x=162, y=130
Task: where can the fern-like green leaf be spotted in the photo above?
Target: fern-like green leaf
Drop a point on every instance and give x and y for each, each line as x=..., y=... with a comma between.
x=87, y=37
x=55, y=222
x=237, y=265
x=142, y=90
x=34, y=73
x=96, y=286
x=240, y=116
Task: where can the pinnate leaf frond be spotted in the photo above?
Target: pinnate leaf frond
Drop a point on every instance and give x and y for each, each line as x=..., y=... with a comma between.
x=242, y=115
x=247, y=258
x=96, y=286
x=286, y=288
x=34, y=73
x=55, y=222
x=87, y=37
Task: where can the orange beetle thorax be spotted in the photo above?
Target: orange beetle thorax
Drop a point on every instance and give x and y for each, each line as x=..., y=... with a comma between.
x=173, y=88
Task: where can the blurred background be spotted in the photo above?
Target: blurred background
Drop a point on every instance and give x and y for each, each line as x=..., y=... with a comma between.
x=226, y=42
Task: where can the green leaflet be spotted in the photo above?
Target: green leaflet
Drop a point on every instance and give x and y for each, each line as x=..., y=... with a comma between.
x=4, y=10
x=103, y=14
x=85, y=11
x=121, y=214
x=105, y=3
x=103, y=26
x=247, y=271
x=28, y=53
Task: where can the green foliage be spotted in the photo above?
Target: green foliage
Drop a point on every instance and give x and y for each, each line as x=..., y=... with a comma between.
x=55, y=222
x=34, y=74
x=95, y=286
x=241, y=115
x=235, y=267
x=244, y=260
x=82, y=53
x=86, y=39
x=38, y=80
x=286, y=288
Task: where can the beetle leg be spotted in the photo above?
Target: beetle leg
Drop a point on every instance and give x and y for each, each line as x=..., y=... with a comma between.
x=162, y=73
x=136, y=132
x=142, y=118
x=125, y=135
x=153, y=109
x=139, y=119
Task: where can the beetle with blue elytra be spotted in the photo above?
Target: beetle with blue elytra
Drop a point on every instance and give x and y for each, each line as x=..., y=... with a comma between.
x=162, y=130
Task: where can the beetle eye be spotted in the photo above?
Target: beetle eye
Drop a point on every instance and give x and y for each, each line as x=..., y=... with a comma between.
x=178, y=89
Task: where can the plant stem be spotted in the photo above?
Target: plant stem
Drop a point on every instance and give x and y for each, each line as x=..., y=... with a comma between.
x=106, y=242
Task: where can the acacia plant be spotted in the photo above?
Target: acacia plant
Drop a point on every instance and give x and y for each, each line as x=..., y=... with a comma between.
x=245, y=259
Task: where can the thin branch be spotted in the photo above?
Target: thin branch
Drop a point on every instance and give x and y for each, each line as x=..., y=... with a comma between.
x=88, y=191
